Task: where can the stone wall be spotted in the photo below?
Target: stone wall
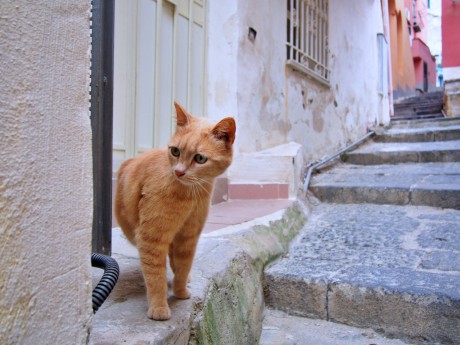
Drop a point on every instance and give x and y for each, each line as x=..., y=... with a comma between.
x=452, y=97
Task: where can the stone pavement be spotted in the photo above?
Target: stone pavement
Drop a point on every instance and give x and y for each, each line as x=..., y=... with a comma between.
x=395, y=269
x=383, y=251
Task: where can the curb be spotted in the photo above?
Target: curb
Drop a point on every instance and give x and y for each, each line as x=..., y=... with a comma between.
x=232, y=310
x=227, y=292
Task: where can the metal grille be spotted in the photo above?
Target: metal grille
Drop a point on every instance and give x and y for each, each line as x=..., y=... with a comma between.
x=307, y=37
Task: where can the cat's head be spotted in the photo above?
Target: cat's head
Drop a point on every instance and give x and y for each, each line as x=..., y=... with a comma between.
x=200, y=150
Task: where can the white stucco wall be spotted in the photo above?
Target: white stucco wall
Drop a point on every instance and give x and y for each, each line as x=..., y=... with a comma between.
x=221, y=59
x=326, y=119
x=45, y=172
x=272, y=103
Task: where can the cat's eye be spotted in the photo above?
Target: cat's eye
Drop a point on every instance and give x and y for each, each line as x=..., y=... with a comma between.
x=175, y=151
x=200, y=159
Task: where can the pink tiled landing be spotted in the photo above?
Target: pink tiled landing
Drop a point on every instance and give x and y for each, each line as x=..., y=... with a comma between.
x=258, y=191
x=235, y=212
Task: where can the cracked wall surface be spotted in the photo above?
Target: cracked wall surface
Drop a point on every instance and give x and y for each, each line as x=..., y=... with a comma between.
x=248, y=78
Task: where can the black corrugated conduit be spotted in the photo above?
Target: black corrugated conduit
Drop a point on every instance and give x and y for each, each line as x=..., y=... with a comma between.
x=108, y=280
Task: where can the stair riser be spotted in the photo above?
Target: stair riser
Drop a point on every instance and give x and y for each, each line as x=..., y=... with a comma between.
x=396, y=314
x=390, y=196
x=442, y=122
x=419, y=137
x=403, y=157
x=305, y=298
x=415, y=112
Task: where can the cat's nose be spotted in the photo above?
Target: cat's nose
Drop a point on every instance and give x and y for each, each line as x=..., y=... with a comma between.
x=179, y=173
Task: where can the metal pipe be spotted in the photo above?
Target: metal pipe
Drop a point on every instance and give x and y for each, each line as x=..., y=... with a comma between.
x=102, y=121
x=315, y=166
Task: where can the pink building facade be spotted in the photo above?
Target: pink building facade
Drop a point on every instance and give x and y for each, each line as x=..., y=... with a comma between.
x=424, y=61
x=451, y=56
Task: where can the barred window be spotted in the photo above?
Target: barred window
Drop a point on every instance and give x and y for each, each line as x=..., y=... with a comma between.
x=307, y=37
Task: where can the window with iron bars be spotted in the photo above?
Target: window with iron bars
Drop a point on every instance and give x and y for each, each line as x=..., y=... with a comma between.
x=307, y=38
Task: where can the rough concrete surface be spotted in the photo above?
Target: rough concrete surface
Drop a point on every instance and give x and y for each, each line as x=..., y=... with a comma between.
x=282, y=329
x=391, y=268
x=227, y=299
x=437, y=131
x=405, y=152
x=46, y=186
x=432, y=184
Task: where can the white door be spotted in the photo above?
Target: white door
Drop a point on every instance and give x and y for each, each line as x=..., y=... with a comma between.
x=159, y=58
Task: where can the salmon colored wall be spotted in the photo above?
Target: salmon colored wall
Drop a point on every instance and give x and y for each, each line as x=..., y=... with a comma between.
x=421, y=53
x=450, y=33
x=401, y=55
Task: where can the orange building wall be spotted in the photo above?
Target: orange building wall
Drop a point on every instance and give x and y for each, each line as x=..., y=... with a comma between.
x=403, y=73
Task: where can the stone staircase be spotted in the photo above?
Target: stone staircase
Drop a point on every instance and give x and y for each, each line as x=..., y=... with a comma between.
x=423, y=106
x=382, y=248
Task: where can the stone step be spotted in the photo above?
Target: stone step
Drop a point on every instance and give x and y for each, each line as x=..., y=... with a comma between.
x=421, y=134
x=431, y=184
x=393, y=269
x=280, y=328
x=424, y=123
x=414, y=117
x=425, y=106
x=406, y=152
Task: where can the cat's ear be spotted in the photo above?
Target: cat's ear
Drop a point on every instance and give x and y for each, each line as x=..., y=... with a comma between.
x=225, y=130
x=183, y=118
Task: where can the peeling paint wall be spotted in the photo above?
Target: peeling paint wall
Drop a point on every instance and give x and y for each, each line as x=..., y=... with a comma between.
x=45, y=172
x=326, y=119
x=273, y=105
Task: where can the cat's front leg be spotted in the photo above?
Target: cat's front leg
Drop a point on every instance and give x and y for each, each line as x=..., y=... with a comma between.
x=153, y=254
x=182, y=252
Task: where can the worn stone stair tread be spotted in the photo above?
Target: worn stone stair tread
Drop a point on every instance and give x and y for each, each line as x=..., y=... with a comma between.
x=280, y=328
x=420, y=123
x=391, y=268
x=400, y=152
x=431, y=184
x=420, y=134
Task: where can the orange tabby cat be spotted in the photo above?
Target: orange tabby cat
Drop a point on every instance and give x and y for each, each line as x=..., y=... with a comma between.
x=162, y=201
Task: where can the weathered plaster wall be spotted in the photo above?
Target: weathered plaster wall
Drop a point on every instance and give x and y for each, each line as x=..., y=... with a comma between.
x=273, y=104
x=222, y=49
x=261, y=80
x=246, y=79
x=324, y=119
x=45, y=172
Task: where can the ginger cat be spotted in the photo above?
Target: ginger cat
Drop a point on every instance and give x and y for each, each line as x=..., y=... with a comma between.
x=163, y=198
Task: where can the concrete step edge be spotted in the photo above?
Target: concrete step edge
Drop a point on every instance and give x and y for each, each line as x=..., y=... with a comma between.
x=435, y=316
x=427, y=195
x=408, y=156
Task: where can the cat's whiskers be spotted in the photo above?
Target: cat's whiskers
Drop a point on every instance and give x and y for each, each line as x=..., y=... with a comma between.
x=199, y=183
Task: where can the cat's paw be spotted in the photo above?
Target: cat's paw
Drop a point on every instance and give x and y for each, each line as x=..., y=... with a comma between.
x=182, y=293
x=159, y=313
